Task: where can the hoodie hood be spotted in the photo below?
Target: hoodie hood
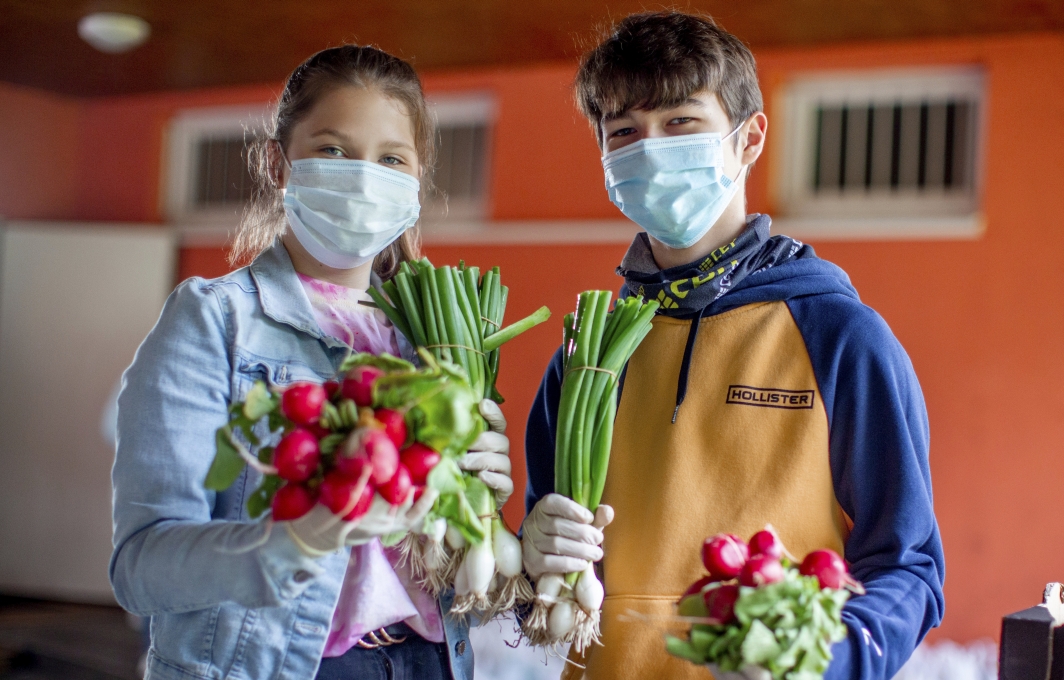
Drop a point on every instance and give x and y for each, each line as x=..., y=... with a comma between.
x=799, y=275
x=796, y=278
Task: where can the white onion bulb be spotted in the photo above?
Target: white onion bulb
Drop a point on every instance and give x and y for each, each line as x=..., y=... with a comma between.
x=589, y=590
x=507, y=551
x=562, y=619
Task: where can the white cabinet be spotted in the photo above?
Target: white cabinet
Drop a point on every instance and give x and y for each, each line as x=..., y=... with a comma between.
x=75, y=302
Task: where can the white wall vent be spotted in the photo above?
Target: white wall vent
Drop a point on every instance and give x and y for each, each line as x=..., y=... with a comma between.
x=207, y=180
x=883, y=154
x=464, y=128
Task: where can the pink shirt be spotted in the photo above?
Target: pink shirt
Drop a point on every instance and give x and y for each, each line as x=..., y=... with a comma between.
x=377, y=592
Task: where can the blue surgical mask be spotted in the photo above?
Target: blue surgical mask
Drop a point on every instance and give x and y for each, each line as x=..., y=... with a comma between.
x=345, y=212
x=674, y=187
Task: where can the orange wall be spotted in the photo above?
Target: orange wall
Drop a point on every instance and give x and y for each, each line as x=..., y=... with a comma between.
x=982, y=320
x=39, y=154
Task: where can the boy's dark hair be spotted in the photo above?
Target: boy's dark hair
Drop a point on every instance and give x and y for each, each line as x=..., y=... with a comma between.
x=658, y=60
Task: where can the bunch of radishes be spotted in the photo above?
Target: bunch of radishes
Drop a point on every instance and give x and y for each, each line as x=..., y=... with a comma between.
x=372, y=454
x=756, y=612
x=384, y=428
x=761, y=562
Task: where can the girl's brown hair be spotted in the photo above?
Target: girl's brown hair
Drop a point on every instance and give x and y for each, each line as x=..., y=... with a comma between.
x=263, y=220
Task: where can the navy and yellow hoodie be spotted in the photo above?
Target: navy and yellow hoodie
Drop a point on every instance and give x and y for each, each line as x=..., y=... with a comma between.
x=800, y=409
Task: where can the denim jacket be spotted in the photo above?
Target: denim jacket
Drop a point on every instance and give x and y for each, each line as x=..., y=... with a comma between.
x=227, y=597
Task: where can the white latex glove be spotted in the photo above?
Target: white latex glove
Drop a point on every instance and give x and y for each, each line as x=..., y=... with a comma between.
x=490, y=453
x=560, y=536
x=383, y=519
x=320, y=532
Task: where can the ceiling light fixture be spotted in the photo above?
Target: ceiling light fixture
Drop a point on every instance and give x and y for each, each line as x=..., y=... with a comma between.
x=112, y=32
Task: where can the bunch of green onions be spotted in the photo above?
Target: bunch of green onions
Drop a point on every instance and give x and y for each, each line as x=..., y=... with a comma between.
x=597, y=344
x=456, y=314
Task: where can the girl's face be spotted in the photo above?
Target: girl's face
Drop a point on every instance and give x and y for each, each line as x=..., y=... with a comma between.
x=355, y=123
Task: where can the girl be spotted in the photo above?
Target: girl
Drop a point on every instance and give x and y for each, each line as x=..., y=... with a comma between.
x=336, y=207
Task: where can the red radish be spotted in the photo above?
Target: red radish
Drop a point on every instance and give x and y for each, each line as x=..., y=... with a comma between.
x=419, y=460
x=394, y=425
x=418, y=490
x=379, y=450
x=358, y=384
x=301, y=403
x=766, y=542
x=397, y=489
x=724, y=555
x=332, y=388
x=338, y=494
x=828, y=568
x=720, y=603
x=292, y=501
x=363, y=504
x=698, y=585
x=761, y=570
x=318, y=431
x=352, y=466
x=296, y=456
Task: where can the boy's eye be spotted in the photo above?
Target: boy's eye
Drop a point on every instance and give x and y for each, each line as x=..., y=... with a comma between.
x=623, y=132
x=681, y=120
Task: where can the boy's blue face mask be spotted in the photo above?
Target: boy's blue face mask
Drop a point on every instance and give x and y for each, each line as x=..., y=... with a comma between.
x=674, y=187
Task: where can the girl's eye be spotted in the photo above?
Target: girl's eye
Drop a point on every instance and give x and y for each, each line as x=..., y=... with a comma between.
x=392, y=160
x=333, y=151
x=623, y=132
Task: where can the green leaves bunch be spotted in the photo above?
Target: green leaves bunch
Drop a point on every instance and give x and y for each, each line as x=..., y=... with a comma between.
x=786, y=627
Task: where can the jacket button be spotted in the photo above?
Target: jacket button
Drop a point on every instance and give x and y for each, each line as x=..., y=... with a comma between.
x=302, y=576
x=460, y=647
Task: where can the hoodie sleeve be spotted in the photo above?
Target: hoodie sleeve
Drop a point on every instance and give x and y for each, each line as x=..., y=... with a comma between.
x=879, y=463
x=539, y=434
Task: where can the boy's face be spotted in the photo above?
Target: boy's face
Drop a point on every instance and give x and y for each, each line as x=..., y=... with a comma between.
x=703, y=112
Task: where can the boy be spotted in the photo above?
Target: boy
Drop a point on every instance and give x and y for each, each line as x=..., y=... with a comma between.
x=765, y=393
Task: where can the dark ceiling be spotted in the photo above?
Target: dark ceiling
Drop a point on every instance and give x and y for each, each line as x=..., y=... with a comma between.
x=203, y=43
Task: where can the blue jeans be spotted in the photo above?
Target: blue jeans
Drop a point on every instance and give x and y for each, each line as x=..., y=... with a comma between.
x=414, y=659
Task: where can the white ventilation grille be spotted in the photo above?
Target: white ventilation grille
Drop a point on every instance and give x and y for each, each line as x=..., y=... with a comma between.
x=207, y=179
x=463, y=128
x=221, y=176
x=887, y=153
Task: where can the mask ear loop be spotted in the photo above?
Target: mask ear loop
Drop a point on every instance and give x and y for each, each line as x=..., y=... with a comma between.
x=284, y=157
x=725, y=137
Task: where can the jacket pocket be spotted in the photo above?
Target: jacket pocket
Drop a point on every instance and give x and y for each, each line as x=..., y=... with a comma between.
x=230, y=639
x=182, y=643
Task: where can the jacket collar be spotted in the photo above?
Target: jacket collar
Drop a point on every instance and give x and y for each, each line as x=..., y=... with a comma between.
x=281, y=295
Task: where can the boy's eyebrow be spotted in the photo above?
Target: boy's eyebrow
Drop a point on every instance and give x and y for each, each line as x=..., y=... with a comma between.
x=621, y=114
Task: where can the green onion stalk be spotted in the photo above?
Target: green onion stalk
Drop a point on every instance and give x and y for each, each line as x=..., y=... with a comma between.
x=597, y=343
x=456, y=315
